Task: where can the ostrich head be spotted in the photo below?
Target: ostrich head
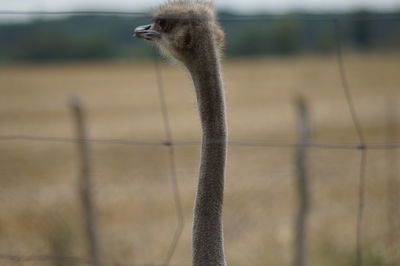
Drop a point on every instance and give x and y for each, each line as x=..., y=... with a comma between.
x=184, y=29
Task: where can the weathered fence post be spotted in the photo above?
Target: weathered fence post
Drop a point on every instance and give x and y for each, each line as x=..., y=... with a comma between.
x=85, y=182
x=300, y=226
x=392, y=184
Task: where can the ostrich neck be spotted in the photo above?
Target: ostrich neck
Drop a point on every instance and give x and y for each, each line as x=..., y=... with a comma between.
x=204, y=67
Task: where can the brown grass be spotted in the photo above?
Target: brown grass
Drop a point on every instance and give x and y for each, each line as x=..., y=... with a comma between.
x=133, y=191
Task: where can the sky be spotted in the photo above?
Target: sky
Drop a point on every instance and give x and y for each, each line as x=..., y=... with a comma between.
x=246, y=6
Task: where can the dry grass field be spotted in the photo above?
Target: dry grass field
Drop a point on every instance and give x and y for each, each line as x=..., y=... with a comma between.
x=40, y=213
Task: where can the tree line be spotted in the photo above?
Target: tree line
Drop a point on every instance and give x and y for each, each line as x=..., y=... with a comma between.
x=110, y=37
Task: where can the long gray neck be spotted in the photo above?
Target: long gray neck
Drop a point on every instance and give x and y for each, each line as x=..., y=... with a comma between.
x=208, y=247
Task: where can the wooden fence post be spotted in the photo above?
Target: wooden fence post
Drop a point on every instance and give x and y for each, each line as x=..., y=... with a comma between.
x=85, y=182
x=301, y=157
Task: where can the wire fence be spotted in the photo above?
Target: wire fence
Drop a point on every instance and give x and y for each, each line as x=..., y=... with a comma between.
x=265, y=18
x=170, y=143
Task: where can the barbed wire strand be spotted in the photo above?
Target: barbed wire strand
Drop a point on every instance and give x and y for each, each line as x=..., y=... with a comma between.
x=75, y=13
x=260, y=144
x=309, y=18
x=172, y=163
x=226, y=18
x=362, y=146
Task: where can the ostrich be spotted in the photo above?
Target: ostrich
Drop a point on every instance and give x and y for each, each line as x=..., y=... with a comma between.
x=188, y=32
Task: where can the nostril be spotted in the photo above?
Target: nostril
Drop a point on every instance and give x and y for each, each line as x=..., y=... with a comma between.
x=147, y=27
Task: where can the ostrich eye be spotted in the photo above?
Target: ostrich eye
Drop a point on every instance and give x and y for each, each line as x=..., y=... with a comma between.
x=162, y=23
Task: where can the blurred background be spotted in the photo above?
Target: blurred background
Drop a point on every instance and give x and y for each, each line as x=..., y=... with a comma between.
x=314, y=50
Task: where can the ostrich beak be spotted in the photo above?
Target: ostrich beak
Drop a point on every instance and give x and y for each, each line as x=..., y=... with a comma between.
x=146, y=32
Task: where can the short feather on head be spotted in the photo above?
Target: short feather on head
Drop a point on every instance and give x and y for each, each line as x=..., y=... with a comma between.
x=182, y=7
x=184, y=29
x=203, y=10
